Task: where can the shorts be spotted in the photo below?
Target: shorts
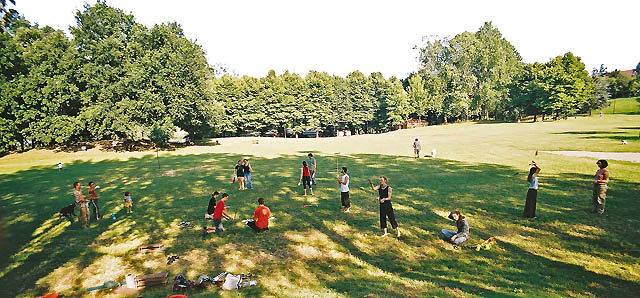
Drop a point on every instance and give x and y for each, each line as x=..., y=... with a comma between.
x=128, y=204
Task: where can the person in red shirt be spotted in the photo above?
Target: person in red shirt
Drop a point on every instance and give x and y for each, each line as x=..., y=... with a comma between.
x=219, y=212
x=260, y=222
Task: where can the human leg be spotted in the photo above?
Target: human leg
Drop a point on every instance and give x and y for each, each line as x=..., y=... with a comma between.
x=241, y=183
x=248, y=181
x=252, y=225
x=84, y=216
x=459, y=240
x=601, y=198
x=530, y=203
x=446, y=234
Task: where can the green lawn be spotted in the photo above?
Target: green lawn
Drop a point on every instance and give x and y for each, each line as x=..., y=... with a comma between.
x=319, y=251
x=629, y=105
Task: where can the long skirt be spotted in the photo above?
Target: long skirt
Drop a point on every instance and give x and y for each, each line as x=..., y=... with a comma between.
x=530, y=204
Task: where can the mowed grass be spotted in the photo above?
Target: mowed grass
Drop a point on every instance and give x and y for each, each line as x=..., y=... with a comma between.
x=319, y=251
x=629, y=105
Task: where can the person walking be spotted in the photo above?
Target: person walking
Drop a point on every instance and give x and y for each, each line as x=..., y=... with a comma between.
x=247, y=174
x=416, y=148
x=305, y=178
x=463, y=229
x=239, y=172
x=93, y=201
x=532, y=193
x=600, y=186
x=344, y=190
x=81, y=203
x=312, y=167
x=386, y=209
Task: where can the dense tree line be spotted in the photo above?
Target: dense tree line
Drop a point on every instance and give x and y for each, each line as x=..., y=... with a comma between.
x=117, y=79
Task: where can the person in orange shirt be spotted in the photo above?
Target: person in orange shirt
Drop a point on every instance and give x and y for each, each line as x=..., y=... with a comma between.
x=261, y=216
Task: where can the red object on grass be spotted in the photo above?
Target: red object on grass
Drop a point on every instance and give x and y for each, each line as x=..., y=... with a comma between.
x=177, y=296
x=50, y=295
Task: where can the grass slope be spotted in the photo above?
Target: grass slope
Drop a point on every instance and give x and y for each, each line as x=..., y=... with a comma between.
x=629, y=105
x=321, y=252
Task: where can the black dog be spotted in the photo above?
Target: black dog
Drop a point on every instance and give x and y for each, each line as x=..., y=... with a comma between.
x=67, y=212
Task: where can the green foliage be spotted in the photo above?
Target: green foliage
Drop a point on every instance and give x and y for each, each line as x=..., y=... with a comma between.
x=159, y=135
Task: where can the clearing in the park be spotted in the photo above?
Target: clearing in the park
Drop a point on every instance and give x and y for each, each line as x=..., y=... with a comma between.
x=313, y=248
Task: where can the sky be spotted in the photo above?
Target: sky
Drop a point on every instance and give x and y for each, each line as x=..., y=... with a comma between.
x=338, y=37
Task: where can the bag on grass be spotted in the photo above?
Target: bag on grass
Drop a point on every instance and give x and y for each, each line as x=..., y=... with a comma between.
x=231, y=282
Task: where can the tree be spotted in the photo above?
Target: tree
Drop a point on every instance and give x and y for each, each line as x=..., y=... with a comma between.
x=159, y=135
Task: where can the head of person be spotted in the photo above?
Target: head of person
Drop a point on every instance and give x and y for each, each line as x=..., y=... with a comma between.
x=90, y=183
x=455, y=215
x=310, y=155
x=416, y=140
x=76, y=185
x=126, y=194
x=344, y=170
x=602, y=163
x=383, y=180
x=531, y=172
x=225, y=196
x=215, y=194
x=246, y=161
x=240, y=162
x=261, y=201
x=304, y=163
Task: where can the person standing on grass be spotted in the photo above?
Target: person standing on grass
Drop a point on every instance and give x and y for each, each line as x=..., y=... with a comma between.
x=532, y=193
x=212, y=205
x=600, y=185
x=463, y=229
x=128, y=202
x=81, y=203
x=344, y=190
x=114, y=144
x=93, y=201
x=386, y=209
x=219, y=213
x=416, y=148
x=260, y=222
x=305, y=178
x=239, y=172
x=312, y=168
x=247, y=173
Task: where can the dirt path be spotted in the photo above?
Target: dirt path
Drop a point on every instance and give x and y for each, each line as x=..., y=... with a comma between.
x=625, y=156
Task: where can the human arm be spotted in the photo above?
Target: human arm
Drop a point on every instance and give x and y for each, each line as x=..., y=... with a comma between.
x=605, y=177
x=533, y=163
x=301, y=171
x=463, y=231
x=376, y=187
x=226, y=215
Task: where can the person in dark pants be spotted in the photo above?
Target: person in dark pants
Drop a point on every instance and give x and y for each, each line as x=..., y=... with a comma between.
x=93, y=201
x=305, y=178
x=532, y=193
x=344, y=190
x=600, y=185
x=219, y=213
x=386, y=209
x=260, y=222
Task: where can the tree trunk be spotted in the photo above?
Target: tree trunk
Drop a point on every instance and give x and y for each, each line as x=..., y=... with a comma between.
x=158, y=158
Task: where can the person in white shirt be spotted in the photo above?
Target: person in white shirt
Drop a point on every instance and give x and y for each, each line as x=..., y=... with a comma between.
x=344, y=190
x=532, y=193
x=416, y=148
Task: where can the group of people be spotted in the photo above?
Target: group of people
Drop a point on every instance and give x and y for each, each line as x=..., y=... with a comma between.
x=600, y=185
x=242, y=174
x=83, y=203
x=216, y=211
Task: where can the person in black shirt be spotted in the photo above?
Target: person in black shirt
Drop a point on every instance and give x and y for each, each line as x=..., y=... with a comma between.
x=240, y=174
x=247, y=173
x=386, y=210
x=212, y=205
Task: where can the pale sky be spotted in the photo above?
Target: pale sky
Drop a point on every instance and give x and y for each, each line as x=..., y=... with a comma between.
x=252, y=37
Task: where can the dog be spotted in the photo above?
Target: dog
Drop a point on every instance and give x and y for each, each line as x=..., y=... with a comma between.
x=67, y=212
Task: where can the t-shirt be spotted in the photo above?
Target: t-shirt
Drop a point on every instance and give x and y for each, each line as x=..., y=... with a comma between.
x=416, y=145
x=127, y=199
x=600, y=175
x=92, y=193
x=217, y=214
x=77, y=197
x=534, y=182
x=240, y=171
x=344, y=187
x=261, y=215
x=212, y=206
x=312, y=163
x=305, y=172
x=247, y=169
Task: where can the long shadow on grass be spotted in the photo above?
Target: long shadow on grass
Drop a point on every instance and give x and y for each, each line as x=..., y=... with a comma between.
x=316, y=250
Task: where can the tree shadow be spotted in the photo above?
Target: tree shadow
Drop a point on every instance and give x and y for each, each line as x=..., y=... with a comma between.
x=315, y=250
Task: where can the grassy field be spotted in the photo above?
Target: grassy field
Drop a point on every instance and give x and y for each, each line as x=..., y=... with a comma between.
x=624, y=106
x=321, y=252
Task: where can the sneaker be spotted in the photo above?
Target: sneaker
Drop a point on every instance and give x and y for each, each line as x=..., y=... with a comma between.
x=383, y=235
x=347, y=210
x=398, y=233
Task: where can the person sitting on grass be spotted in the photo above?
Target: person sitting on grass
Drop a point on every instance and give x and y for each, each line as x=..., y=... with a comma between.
x=305, y=178
x=218, y=214
x=463, y=229
x=212, y=205
x=260, y=222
